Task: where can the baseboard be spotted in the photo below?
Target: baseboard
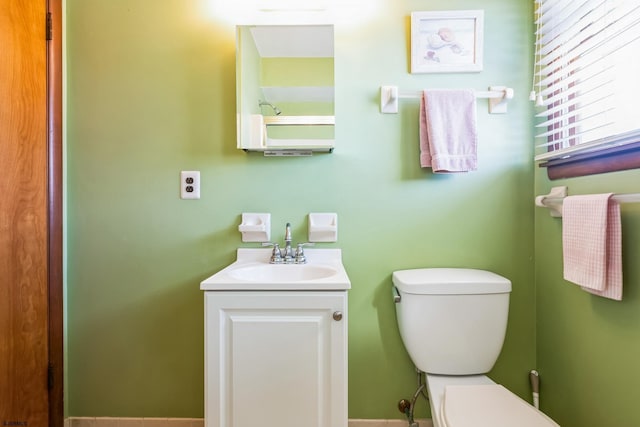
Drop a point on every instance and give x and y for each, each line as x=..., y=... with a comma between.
x=133, y=422
x=199, y=422
x=387, y=423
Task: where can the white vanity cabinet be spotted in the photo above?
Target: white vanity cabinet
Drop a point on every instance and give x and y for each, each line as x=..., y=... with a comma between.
x=276, y=358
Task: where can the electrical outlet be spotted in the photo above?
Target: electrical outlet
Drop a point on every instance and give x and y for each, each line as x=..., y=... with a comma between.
x=190, y=184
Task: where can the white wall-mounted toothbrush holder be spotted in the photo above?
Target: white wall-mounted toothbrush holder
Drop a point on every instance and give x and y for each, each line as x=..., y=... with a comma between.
x=323, y=227
x=255, y=227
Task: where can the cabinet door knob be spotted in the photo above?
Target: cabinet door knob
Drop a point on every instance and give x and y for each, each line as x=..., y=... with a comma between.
x=337, y=315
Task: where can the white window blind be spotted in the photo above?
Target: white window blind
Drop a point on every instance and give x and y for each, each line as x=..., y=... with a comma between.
x=587, y=71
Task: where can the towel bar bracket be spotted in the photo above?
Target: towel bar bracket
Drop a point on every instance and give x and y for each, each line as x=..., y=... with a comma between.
x=499, y=105
x=389, y=99
x=553, y=201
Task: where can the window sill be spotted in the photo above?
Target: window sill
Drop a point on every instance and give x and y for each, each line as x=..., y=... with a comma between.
x=607, y=160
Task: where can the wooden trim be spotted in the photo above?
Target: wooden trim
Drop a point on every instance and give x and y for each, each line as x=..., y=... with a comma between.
x=55, y=226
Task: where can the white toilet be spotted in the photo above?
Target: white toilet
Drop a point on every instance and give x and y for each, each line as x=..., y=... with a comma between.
x=453, y=322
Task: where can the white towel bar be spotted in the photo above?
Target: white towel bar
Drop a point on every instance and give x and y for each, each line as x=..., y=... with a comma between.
x=554, y=199
x=498, y=97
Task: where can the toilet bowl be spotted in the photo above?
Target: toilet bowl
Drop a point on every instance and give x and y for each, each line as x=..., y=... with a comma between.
x=453, y=322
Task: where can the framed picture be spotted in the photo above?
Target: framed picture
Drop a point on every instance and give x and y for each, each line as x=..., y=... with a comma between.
x=446, y=41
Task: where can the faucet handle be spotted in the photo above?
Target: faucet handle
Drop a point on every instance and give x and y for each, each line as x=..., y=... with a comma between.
x=276, y=254
x=300, y=258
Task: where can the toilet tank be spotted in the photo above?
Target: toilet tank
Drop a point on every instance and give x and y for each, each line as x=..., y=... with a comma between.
x=452, y=320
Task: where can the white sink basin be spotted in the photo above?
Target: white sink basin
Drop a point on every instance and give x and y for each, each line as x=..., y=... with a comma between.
x=281, y=272
x=252, y=271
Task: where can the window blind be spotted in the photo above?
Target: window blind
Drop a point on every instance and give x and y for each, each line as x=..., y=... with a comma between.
x=587, y=68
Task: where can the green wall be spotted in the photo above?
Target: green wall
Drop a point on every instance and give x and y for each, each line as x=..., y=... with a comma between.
x=297, y=72
x=151, y=91
x=588, y=346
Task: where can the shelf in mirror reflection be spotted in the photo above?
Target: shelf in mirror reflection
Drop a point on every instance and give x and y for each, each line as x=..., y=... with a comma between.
x=299, y=120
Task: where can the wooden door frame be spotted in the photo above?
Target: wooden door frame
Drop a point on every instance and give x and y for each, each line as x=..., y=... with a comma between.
x=55, y=214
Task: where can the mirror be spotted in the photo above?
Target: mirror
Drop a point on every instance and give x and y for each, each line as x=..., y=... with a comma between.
x=285, y=87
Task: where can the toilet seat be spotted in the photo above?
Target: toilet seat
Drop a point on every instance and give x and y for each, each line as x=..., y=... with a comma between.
x=489, y=405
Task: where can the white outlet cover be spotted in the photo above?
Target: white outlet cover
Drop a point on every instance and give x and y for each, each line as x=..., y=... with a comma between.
x=190, y=184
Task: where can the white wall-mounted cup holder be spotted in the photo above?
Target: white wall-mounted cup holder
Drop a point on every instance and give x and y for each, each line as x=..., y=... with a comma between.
x=323, y=227
x=255, y=227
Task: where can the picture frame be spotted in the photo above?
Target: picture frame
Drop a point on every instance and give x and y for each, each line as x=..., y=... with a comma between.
x=447, y=41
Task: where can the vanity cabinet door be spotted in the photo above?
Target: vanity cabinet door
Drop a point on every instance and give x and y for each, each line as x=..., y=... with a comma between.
x=276, y=359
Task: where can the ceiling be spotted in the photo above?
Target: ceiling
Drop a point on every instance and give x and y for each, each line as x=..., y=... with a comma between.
x=283, y=41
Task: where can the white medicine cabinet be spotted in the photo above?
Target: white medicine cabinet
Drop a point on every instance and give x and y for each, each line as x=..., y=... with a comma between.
x=285, y=88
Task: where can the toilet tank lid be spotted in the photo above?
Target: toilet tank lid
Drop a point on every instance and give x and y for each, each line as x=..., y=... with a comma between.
x=450, y=281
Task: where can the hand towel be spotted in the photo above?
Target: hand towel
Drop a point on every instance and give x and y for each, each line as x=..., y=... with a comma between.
x=448, y=135
x=592, y=244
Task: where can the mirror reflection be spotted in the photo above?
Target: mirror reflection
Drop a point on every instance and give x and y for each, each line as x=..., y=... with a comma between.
x=285, y=87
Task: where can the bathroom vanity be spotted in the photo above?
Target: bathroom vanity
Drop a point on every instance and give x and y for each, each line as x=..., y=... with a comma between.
x=276, y=342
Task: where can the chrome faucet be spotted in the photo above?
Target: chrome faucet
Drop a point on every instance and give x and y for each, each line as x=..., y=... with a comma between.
x=288, y=251
x=286, y=255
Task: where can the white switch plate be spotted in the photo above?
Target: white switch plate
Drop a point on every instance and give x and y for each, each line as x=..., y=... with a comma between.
x=190, y=184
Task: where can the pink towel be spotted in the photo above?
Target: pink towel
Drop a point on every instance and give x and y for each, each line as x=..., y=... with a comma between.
x=592, y=244
x=448, y=136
